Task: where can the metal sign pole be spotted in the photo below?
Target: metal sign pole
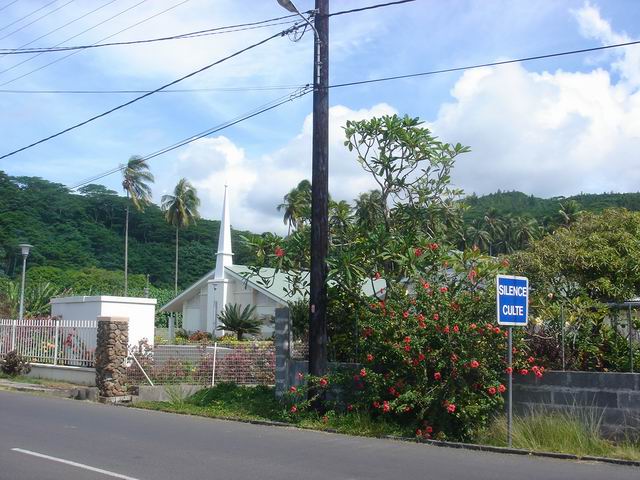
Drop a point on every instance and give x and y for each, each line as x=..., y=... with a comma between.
x=510, y=389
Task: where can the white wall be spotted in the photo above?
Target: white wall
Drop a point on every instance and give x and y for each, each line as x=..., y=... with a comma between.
x=140, y=311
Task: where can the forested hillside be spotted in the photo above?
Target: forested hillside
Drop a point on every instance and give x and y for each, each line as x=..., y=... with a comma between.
x=544, y=210
x=76, y=231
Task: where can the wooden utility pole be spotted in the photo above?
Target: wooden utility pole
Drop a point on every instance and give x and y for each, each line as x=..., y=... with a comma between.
x=319, y=195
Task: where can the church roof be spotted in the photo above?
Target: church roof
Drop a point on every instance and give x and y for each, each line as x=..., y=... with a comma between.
x=275, y=288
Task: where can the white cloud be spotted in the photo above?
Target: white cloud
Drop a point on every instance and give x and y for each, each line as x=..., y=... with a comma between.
x=257, y=185
x=555, y=133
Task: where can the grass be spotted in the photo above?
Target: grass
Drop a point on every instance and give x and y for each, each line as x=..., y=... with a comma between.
x=37, y=381
x=259, y=403
x=551, y=432
x=562, y=432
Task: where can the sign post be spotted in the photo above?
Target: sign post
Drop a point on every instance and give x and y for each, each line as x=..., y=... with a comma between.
x=512, y=300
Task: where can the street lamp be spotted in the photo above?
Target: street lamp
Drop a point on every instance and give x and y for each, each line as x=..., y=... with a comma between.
x=24, y=248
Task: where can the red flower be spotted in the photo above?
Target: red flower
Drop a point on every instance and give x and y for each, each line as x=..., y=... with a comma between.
x=496, y=330
x=407, y=339
x=502, y=388
x=323, y=382
x=473, y=326
x=491, y=391
x=407, y=409
x=279, y=252
x=392, y=390
x=508, y=370
x=420, y=317
x=524, y=371
x=429, y=429
x=436, y=317
x=294, y=409
x=444, y=289
x=363, y=372
x=446, y=329
x=454, y=357
x=433, y=246
x=421, y=357
x=426, y=285
x=437, y=376
x=451, y=408
x=421, y=324
x=456, y=329
x=407, y=348
x=474, y=364
x=531, y=360
x=385, y=406
x=349, y=408
x=300, y=375
x=538, y=374
x=405, y=314
x=472, y=275
x=418, y=433
x=369, y=357
x=376, y=404
x=367, y=332
x=418, y=252
x=377, y=276
x=293, y=389
x=356, y=378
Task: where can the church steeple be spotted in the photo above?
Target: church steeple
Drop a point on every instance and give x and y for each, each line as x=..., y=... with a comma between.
x=224, y=256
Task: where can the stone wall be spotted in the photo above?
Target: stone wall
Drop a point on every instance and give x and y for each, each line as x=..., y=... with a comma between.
x=111, y=355
x=612, y=397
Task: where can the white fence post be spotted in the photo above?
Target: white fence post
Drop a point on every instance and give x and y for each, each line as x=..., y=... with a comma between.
x=213, y=370
x=56, y=341
x=13, y=335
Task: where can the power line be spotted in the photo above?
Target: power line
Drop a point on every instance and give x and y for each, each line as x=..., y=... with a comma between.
x=123, y=105
x=481, y=65
x=9, y=4
x=71, y=38
x=173, y=90
x=200, y=33
x=260, y=110
x=370, y=7
x=64, y=25
x=28, y=15
x=37, y=19
x=110, y=36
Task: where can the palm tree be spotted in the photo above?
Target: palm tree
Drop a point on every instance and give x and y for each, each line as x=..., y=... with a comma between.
x=495, y=226
x=240, y=322
x=181, y=210
x=136, y=178
x=569, y=212
x=369, y=209
x=477, y=236
x=297, y=205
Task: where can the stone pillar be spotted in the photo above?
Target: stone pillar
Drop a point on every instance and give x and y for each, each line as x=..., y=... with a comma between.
x=283, y=350
x=111, y=355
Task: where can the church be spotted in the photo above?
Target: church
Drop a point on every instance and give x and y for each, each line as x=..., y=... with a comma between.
x=229, y=284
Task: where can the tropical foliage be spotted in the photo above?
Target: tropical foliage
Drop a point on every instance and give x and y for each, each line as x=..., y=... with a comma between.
x=239, y=321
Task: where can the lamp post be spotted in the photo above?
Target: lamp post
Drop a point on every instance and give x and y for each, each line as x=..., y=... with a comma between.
x=24, y=247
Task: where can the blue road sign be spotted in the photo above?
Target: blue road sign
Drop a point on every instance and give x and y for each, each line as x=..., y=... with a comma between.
x=512, y=294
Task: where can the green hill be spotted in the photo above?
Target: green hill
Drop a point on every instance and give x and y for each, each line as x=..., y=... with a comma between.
x=82, y=230
x=544, y=210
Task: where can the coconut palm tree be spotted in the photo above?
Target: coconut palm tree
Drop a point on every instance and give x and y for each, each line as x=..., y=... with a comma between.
x=136, y=178
x=369, y=210
x=181, y=210
x=297, y=205
x=569, y=212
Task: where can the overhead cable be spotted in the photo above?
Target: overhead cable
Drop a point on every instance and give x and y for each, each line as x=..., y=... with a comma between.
x=136, y=99
x=36, y=20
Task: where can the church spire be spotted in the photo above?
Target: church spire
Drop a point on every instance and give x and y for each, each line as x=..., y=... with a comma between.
x=224, y=257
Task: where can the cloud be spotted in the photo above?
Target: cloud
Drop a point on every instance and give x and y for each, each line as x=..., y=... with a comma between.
x=257, y=185
x=550, y=133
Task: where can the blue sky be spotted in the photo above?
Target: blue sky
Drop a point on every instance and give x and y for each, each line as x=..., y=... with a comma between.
x=554, y=127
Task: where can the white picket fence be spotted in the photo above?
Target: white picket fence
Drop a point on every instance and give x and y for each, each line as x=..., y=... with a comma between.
x=51, y=341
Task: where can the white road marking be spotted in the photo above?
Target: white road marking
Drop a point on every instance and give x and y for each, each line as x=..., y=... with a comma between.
x=73, y=464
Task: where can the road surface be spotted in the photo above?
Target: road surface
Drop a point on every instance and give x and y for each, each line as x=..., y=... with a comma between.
x=50, y=438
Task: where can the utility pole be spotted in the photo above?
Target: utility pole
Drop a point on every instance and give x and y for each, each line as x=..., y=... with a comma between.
x=319, y=194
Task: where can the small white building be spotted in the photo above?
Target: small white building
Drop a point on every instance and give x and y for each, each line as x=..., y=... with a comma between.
x=229, y=284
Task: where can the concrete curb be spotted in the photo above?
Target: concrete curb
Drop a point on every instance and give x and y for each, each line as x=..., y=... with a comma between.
x=435, y=443
x=79, y=393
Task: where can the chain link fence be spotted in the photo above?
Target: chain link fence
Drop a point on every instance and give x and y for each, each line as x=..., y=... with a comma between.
x=250, y=363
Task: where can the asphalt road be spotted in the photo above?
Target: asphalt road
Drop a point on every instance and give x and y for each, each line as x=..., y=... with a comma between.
x=144, y=445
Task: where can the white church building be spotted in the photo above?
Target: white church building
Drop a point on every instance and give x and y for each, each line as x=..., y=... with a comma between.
x=202, y=302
